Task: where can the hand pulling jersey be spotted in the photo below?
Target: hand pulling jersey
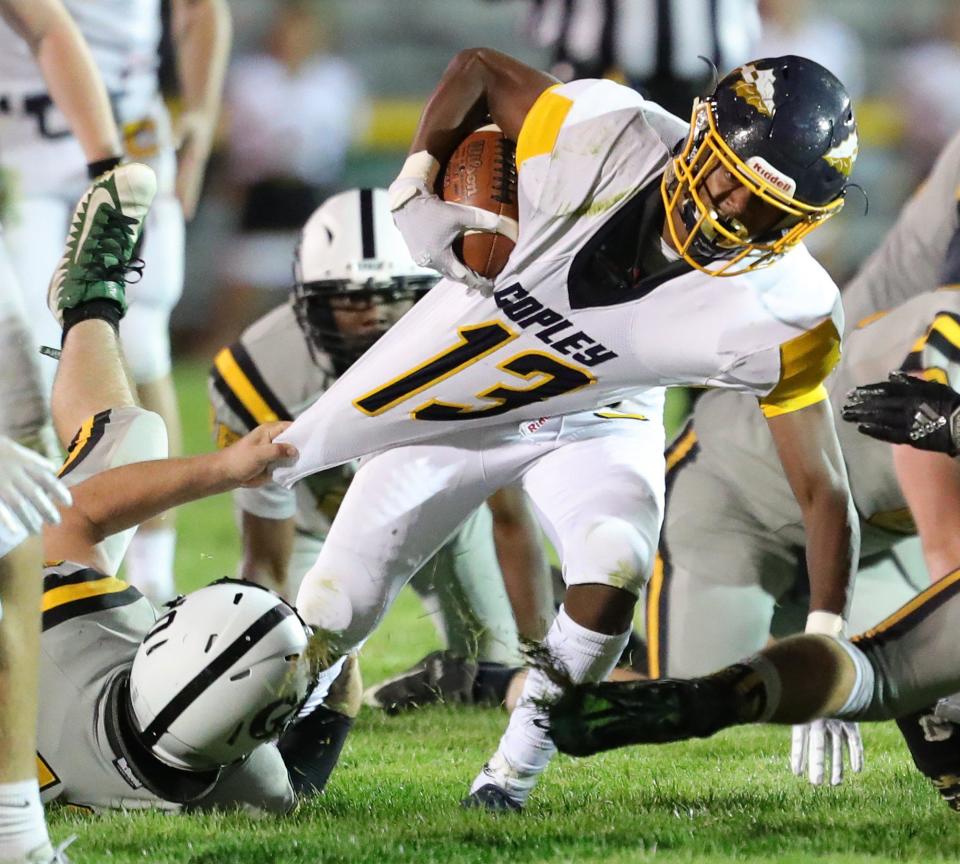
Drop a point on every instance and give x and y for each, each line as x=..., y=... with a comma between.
x=269, y=374
x=587, y=311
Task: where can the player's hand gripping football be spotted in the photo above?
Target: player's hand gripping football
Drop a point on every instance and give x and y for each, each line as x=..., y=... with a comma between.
x=808, y=754
x=251, y=460
x=430, y=225
x=907, y=410
x=30, y=494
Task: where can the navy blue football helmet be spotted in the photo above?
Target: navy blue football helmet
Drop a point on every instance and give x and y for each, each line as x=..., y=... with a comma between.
x=784, y=127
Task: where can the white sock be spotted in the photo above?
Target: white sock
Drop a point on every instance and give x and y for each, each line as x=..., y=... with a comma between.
x=324, y=682
x=861, y=694
x=149, y=563
x=525, y=749
x=22, y=827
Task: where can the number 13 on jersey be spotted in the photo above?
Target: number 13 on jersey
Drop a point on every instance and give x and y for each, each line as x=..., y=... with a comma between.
x=548, y=377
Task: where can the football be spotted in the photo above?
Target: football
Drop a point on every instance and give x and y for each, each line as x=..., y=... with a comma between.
x=482, y=172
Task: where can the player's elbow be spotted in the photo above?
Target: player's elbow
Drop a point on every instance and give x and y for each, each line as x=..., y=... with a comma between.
x=472, y=63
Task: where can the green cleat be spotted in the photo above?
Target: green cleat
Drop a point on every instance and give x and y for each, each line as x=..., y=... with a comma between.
x=591, y=718
x=104, y=230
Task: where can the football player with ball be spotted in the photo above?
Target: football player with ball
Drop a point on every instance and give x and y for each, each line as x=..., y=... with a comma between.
x=650, y=253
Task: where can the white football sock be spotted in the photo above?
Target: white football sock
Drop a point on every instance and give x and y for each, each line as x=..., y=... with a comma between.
x=525, y=749
x=324, y=682
x=149, y=563
x=862, y=691
x=22, y=827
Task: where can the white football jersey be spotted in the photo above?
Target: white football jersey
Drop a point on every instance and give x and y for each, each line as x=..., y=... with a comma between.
x=36, y=142
x=123, y=36
x=574, y=321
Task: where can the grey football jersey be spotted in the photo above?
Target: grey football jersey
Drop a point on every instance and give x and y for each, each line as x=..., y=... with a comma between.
x=92, y=626
x=270, y=374
x=920, y=253
x=921, y=336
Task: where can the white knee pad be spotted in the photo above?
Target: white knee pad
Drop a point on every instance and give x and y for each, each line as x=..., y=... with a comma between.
x=131, y=435
x=609, y=551
x=341, y=596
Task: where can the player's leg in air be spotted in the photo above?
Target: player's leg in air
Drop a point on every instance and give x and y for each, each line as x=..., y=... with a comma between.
x=145, y=337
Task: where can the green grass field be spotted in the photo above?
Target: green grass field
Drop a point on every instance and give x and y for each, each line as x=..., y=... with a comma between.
x=395, y=794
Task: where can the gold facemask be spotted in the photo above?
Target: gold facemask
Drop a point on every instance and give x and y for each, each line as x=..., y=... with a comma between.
x=723, y=239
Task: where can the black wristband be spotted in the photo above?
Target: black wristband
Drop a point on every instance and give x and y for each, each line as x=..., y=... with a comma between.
x=101, y=166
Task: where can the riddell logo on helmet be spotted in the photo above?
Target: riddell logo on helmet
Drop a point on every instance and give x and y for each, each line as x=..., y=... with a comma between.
x=778, y=179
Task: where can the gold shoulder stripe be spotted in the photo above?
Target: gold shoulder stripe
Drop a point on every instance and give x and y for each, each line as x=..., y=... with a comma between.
x=241, y=387
x=542, y=125
x=805, y=362
x=68, y=593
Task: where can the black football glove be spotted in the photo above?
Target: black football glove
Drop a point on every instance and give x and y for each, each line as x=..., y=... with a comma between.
x=907, y=410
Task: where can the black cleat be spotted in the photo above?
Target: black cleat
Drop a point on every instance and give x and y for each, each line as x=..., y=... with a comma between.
x=311, y=747
x=491, y=798
x=933, y=738
x=438, y=677
x=591, y=718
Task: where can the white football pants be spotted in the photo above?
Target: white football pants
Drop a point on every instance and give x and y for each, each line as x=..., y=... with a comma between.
x=597, y=485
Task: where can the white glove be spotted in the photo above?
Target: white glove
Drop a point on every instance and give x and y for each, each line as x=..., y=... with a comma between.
x=430, y=225
x=808, y=752
x=29, y=494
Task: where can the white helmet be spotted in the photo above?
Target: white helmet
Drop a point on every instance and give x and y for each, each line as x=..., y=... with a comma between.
x=221, y=672
x=350, y=248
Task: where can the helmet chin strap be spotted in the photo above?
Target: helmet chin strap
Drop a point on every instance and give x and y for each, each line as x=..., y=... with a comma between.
x=144, y=766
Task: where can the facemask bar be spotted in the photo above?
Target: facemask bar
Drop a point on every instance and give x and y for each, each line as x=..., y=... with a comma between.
x=711, y=237
x=313, y=304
